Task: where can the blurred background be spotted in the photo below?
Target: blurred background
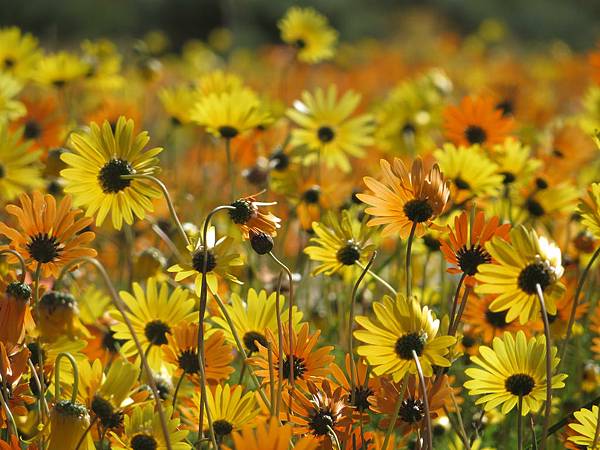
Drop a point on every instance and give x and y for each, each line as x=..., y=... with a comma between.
x=575, y=22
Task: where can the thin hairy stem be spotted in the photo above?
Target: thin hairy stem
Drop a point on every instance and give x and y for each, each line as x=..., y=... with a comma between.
x=548, y=368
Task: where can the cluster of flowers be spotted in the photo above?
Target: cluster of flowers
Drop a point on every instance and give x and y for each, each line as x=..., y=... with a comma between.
x=482, y=300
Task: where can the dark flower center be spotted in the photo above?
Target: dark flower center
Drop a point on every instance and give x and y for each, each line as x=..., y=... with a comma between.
x=156, y=332
x=36, y=351
x=321, y=421
x=508, y=177
x=222, y=428
x=408, y=129
x=299, y=367
x=250, y=339
x=534, y=207
x=475, y=134
x=418, y=210
x=228, y=132
x=67, y=408
x=497, y=319
x=411, y=410
x=105, y=412
x=361, y=398
x=9, y=62
x=198, y=261
x=18, y=290
x=312, y=195
x=468, y=341
x=300, y=43
x=470, y=258
x=52, y=300
x=2, y=171
x=461, y=184
x=143, y=442
x=348, y=254
x=519, y=384
x=243, y=212
x=409, y=342
x=507, y=107
x=59, y=83
x=279, y=160
x=110, y=343
x=32, y=129
x=110, y=176
x=431, y=243
x=44, y=248
x=164, y=388
x=261, y=242
x=532, y=275
x=325, y=134
x=188, y=361
x=541, y=184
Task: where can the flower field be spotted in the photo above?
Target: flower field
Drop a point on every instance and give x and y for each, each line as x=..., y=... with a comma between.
x=317, y=243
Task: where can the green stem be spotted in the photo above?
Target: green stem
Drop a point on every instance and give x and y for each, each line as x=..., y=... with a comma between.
x=575, y=304
x=540, y=294
x=392, y=424
x=36, y=380
x=75, y=386
x=408, y=254
x=425, y=401
x=378, y=278
x=351, y=324
x=520, y=424
x=9, y=415
x=21, y=262
x=177, y=390
x=455, y=302
x=463, y=304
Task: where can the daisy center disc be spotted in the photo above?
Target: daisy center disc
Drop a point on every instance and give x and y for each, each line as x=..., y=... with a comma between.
x=188, y=361
x=418, y=210
x=325, y=134
x=409, y=342
x=348, y=254
x=532, y=275
x=361, y=398
x=222, y=427
x=497, y=319
x=251, y=338
x=156, y=332
x=143, y=442
x=411, y=410
x=321, y=421
x=469, y=259
x=198, y=261
x=312, y=195
x=299, y=367
x=44, y=248
x=475, y=134
x=519, y=384
x=110, y=176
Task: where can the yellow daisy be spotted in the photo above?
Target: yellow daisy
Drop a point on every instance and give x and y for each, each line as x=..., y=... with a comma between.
x=19, y=166
x=154, y=312
x=308, y=31
x=178, y=102
x=585, y=427
x=98, y=159
x=19, y=53
x=400, y=328
x=589, y=210
x=325, y=129
x=10, y=107
x=521, y=264
x=512, y=368
x=218, y=82
x=60, y=69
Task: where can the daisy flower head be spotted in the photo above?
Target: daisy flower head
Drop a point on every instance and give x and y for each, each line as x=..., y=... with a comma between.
x=19, y=53
x=98, y=160
x=515, y=162
x=584, y=427
x=512, y=368
x=339, y=244
x=309, y=32
x=154, y=312
x=253, y=317
x=228, y=114
x=405, y=198
x=10, y=107
x=476, y=121
x=518, y=267
x=49, y=235
x=249, y=217
x=19, y=166
x=589, y=210
x=219, y=261
x=60, y=69
x=325, y=129
x=471, y=172
x=465, y=247
x=400, y=328
x=269, y=435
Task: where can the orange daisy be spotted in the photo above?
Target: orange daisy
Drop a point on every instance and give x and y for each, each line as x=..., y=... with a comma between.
x=466, y=246
x=248, y=216
x=308, y=363
x=476, y=121
x=484, y=322
x=43, y=124
x=49, y=236
x=182, y=351
x=405, y=199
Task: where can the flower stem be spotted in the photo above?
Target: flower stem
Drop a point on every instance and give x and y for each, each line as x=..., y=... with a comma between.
x=425, y=401
x=575, y=304
x=75, y=387
x=391, y=426
x=230, y=168
x=463, y=304
x=365, y=269
x=378, y=278
x=455, y=302
x=9, y=415
x=165, y=192
x=548, y=367
x=21, y=262
x=408, y=252
x=121, y=307
x=520, y=424
x=463, y=432
x=38, y=384
x=177, y=390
